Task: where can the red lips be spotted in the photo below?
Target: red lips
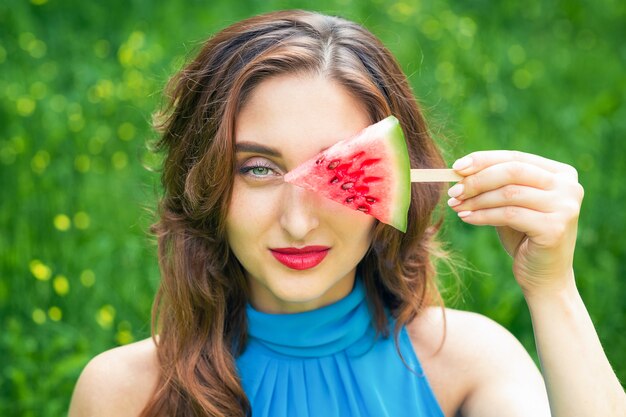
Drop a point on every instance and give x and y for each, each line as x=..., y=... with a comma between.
x=300, y=258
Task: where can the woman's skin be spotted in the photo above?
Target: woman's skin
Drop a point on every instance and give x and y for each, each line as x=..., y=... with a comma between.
x=293, y=118
x=479, y=369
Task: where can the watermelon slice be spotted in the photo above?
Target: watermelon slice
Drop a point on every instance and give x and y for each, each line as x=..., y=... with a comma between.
x=369, y=172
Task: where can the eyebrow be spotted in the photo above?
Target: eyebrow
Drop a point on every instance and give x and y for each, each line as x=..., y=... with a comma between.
x=253, y=147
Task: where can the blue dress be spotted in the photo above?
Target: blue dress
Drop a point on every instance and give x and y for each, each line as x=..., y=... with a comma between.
x=328, y=362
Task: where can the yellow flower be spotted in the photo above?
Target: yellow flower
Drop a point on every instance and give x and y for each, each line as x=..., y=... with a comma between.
x=62, y=222
x=105, y=316
x=39, y=316
x=39, y=270
x=55, y=313
x=61, y=285
x=124, y=337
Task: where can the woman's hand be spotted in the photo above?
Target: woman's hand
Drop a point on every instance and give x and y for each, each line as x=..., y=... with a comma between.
x=534, y=204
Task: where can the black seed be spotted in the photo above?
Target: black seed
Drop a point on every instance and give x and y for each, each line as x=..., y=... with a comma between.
x=370, y=199
x=319, y=161
x=333, y=164
x=335, y=180
x=347, y=185
x=364, y=209
x=350, y=199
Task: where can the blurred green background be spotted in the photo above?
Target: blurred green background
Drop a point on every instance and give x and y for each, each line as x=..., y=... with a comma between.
x=79, y=81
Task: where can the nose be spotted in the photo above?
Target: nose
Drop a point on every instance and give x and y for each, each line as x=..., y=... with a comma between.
x=299, y=214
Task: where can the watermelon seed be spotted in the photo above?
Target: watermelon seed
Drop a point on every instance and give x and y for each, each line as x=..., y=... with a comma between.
x=370, y=199
x=364, y=209
x=334, y=180
x=350, y=199
x=347, y=185
x=319, y=161
x=333, y=164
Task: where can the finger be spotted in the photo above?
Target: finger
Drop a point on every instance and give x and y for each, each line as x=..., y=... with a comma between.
x=544, y=229
x=524, y=220
x=510, y=195
x=496, y=176
x=477, y=161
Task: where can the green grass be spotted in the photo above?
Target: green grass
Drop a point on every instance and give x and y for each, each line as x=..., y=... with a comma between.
x=78, y=84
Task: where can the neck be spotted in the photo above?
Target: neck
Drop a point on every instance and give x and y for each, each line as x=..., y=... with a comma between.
x=298, y=295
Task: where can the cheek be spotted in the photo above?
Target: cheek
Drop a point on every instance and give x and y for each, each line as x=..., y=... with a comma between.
x=364, y=227
x=358, y=227
x=237, y=218
x=248, y=213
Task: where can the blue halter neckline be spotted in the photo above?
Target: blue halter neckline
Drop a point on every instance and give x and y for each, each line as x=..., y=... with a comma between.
x=329, y=362
x=343, y=325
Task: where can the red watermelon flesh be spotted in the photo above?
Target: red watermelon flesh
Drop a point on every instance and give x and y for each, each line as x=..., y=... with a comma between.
x=369, y=172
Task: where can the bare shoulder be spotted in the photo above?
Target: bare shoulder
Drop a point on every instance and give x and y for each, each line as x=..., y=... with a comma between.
x=479, y=368
x=466, y=333
x=117, y=382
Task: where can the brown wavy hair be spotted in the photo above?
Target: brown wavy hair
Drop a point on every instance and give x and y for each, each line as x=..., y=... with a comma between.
x=199, y=311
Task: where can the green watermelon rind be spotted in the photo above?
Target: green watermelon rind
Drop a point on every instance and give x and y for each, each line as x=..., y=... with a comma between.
x=401, y=198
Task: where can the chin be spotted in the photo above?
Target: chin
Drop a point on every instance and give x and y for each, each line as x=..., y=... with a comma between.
x=299, y=291
x=294, y=295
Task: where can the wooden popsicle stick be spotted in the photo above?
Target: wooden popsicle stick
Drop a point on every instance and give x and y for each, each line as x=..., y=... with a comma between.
x=435, y=175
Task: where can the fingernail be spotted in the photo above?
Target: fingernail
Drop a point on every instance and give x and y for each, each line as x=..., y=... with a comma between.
x=453, y=202
x=462, y=163
x=456, y=190
x=463, y=214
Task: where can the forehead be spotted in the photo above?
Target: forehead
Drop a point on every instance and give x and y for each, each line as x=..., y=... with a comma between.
x=299, y=115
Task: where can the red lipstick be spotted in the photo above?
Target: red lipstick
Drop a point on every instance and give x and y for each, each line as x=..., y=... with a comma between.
x=300, y=258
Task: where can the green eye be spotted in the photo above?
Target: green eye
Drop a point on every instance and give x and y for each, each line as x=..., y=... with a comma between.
x=261, y=171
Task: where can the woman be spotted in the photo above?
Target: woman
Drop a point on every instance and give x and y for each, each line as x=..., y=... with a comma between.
x=278, y=302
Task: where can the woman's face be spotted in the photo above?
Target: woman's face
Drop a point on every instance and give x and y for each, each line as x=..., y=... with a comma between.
x=299, y=250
